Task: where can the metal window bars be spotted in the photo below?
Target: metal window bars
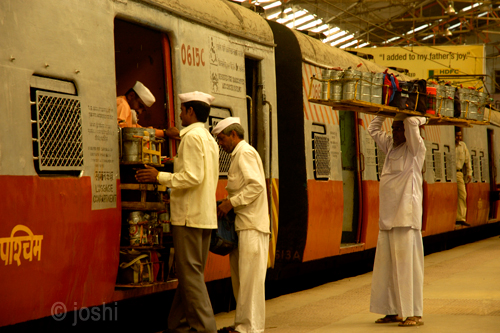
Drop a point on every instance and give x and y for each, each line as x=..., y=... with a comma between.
x=59, y=129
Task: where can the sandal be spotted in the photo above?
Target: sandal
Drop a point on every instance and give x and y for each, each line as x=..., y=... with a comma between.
x=389, y=319
x=228, y=329
x=412, y=321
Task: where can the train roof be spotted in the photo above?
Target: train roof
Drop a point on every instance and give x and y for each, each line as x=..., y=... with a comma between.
x=222, y=15
x=323, y=55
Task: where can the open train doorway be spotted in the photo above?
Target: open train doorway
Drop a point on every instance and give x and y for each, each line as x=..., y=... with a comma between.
x=140, y=56
x=349, y=147
x=254, y=104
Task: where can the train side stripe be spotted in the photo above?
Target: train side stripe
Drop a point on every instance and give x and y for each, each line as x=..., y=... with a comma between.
x=305, y=84
x=320, y=113
x=306, y=104
x=325, y=111
x=305, y=110
x=275, y=222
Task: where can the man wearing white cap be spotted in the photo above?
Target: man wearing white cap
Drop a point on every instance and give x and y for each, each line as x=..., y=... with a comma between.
x=193, y=213
x=246, y=187
x=136, y=100
x=398, y=272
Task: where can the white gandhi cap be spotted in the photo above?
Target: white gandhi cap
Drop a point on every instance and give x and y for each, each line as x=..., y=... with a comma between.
x=196, y=96
x=221, y=125
x=144, y=94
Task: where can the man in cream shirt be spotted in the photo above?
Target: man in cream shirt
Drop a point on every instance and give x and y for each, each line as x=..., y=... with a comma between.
x=463, y=168
x=246, y=186
x=193, y=213
x=398, y=271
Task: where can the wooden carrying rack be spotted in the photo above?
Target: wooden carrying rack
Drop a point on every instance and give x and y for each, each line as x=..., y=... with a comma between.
x=148, y=154
x=357, y=105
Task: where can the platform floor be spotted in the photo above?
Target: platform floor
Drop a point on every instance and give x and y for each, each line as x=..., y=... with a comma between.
x=461, y=294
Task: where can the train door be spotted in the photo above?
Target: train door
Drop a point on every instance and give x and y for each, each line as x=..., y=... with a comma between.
x=349, y=147
x=256, y=130
x=493, y=172
x=144, y=55
x=139, y=56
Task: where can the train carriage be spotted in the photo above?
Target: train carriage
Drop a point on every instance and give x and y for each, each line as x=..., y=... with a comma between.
x=64, y=63
x=329, y=200
x=63, y=208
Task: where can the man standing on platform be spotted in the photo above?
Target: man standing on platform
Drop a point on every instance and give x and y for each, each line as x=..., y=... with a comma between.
x=398, y=272
x=193, y=213
x=246, y=186
x=463, y=167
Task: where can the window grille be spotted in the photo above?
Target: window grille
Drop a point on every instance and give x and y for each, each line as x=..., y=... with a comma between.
x=485, y=172
x=224, y=158
x=437, y=158
x=59, y=132
x=321, y=156
x=448, y=165
x=476, y=172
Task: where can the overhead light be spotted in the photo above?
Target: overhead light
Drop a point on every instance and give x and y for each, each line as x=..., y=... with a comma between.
x=450, y=10
x=447, y=32
x=389, y=26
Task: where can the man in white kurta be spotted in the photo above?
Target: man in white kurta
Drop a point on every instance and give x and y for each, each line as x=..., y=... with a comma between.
x=193, y=214
x=463, y=167
x=246, y=186
x=398, y=272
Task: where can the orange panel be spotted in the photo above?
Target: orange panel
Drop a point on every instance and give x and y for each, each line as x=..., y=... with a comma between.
x=324, y=225
x=440, y=208
x=218, y=266
x=369, y=220
x=478, y=203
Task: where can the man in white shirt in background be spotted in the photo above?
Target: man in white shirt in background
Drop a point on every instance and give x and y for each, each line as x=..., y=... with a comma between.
x=463, y=166
x=398, y=271
x=193, y=213
x=246, y=186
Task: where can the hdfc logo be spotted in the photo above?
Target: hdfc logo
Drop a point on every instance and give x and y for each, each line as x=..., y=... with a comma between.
x=443, y=71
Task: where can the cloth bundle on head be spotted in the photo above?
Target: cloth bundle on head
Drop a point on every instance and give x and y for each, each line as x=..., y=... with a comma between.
x=400, y=117
x=221, y=125
x=196, y=96
x=144, y=94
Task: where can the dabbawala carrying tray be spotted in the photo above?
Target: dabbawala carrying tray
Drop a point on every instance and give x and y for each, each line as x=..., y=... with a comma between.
x=224, y=238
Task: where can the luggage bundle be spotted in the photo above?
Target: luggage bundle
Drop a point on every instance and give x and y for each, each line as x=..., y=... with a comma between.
x=405, y=95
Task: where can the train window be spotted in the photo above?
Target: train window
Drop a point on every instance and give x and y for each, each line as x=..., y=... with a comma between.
x=216, y=115
x=437, y=162
x=476, y=176
x=448, y=164
x=321, y=152
x=482, y=168
x=57, y=127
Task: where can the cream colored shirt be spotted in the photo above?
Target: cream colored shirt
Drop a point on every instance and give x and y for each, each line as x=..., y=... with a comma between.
x=194, y=181
x=246, y=186
x=400, y=192
x=463, y=157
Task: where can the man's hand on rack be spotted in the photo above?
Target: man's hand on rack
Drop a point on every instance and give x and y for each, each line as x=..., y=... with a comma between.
x=172, y=133
x=147, y=175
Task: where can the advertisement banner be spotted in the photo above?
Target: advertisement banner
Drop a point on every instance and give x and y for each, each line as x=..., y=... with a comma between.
x=423, y=62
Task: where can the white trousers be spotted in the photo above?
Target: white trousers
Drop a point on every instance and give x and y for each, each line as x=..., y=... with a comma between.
x=398, y=273
x=248, y=275
x=462, y=197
